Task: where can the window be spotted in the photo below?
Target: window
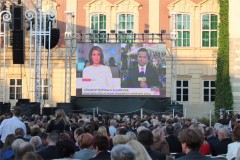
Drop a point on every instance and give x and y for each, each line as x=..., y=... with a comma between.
x=15, y=91
x=44, y=88
x=182, y=90
x=98, y=25
x=209, y=30
x=209, y=91
x=126, y=28
x=183, y=29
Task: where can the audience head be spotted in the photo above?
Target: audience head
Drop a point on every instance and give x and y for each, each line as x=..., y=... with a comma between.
x=103, y=131
x=120, y=139
x=19, y=133
x=65, y=148
x=36, y=141
x=85, y=140
x=139, y=150
x=236, y=132
x=78, y=132
x=158, y=135
x=113, y=122
x=122, y=152
x=23, y=148
x=44, y=136
x=8, y=141
x=223, y=133
x=35, y=130
x=16, y=144
x=52, y=138
x=100, y=143
x=60, y=115
x=145, y=137
x=209, y=131
x=17, y=112
x=169, y=129
x=121, y=131
x=131, y=135
x=190, y=140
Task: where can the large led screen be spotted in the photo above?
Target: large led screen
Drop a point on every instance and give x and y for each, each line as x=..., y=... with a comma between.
x=121, y=69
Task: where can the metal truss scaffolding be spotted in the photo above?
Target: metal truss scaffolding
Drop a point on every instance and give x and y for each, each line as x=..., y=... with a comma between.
x=70, y=48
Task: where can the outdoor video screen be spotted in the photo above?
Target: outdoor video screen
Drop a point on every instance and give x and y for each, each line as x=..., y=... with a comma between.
x=121, y=69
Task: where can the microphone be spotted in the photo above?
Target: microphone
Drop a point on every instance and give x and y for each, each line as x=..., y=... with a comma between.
x=142, y=77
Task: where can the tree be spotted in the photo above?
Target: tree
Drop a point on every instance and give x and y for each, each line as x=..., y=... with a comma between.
x=224, y=98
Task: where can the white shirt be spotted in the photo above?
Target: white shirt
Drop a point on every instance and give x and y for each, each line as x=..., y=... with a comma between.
x=8, y=126
x=100, y=76
x=232, y=150
x=140, y=68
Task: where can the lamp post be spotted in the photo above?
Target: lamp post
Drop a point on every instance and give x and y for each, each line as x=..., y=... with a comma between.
x=39, y=31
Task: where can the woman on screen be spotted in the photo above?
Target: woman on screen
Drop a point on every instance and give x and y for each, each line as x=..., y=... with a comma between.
x=97, y=75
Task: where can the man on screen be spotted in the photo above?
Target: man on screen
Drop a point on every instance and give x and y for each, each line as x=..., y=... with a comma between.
x=143, y=75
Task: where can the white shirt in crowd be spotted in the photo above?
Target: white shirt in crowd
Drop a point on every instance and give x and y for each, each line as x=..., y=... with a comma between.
x=8, y=126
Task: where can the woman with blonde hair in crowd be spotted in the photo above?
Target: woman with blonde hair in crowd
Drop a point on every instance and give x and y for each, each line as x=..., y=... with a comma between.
x=139, y=150
x=103, y=131
x=159, y=141
x=60, y=123
x=120, y=139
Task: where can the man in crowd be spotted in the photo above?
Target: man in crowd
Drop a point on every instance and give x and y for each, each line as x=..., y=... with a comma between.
x=222, y=146
x=8, y=126
x=145, y=137
x=50, y=151
x=191, y=142
x=142, y=75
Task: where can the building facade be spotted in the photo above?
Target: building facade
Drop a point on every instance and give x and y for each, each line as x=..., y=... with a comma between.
x=196, y=47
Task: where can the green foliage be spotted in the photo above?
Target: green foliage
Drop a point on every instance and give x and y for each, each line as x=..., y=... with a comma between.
x=224, y=98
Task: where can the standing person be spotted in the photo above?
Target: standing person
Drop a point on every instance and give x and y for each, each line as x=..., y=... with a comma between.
x=191, y=142
x=97, y=73
x=8, y=126
x=60, y=123
x=233, y=147
x=50, y=152
x=114, y=68
x=143, y=75
x=124, y=58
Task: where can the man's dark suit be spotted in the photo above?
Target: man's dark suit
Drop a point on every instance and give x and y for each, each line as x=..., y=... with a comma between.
x=48, y=153
x=221, y=147
x=131, y=81
x=174, y=144
x=104, y=155
x=212, y=140
x=194, y=155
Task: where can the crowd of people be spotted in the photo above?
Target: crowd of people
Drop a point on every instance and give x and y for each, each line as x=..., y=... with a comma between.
x=105, y=137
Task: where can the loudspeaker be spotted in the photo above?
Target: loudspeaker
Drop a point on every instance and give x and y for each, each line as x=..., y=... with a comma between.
x=54, y=38
x=17, y=12
x=18, y=47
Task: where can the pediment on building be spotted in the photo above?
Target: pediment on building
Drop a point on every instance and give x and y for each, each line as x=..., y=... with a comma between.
x=98, y=6
x=182, y=6
x=209, y=6
x=127, y=6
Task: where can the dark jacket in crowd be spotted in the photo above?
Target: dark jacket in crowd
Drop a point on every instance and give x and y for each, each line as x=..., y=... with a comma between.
x=221, y=147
